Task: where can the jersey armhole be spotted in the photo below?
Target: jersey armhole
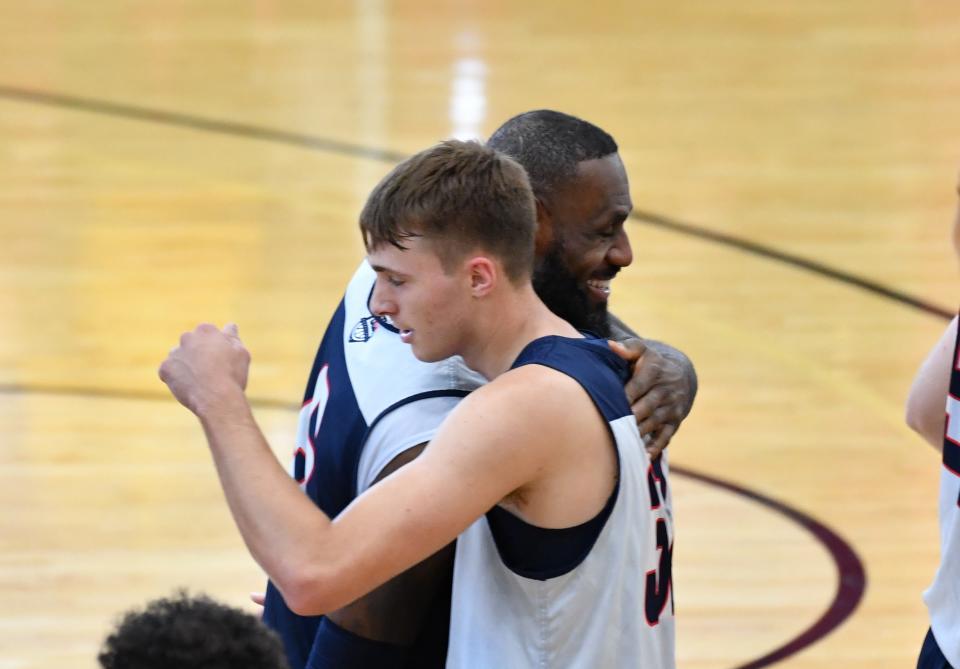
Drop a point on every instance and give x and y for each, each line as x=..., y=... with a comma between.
x=407, y=423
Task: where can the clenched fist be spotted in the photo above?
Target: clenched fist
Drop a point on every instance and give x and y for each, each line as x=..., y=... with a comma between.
x=209, y=367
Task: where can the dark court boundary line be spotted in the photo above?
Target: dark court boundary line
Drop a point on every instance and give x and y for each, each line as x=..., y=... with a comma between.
x=315, y=143
x=812, y=266
x=192, y=122
x=119, y=394
x=851, y=581
x=852, y=576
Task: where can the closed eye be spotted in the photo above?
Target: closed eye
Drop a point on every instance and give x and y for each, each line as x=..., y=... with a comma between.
x=384, y=273
x=614, y=228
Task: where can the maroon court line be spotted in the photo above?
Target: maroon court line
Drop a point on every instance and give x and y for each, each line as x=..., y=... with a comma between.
x=851, y=584
x=852, y=575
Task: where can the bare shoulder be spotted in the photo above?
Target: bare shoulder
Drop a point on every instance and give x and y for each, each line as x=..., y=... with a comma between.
x=507, y=435
x=522, y=439
x=532, y=380
x=529, y=399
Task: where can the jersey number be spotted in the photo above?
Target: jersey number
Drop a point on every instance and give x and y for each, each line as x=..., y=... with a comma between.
x=951, y=438
x=304, y=455
x=659, y=583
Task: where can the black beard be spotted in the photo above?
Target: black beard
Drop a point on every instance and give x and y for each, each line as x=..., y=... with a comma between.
x=566, y=297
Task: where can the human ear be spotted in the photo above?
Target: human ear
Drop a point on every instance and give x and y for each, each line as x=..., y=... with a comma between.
x=483, y=272
x=544, y=237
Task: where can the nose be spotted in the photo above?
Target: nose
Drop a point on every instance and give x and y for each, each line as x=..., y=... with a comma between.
x=380, y=302
x=620, y=254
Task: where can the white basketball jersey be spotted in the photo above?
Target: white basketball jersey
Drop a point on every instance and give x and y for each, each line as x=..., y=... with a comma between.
x=401, y=399
x=367, y=400
x=943, y=595
x=609, y=607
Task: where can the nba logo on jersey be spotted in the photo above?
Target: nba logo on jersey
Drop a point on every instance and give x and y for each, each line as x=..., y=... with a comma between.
x=364, y=330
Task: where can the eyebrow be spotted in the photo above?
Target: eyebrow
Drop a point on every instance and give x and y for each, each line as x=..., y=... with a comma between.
x=380, y=269
x=604, y=212
x=617, y=216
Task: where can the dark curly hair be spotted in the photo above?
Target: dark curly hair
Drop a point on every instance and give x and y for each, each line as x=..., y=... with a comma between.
x=191, y=632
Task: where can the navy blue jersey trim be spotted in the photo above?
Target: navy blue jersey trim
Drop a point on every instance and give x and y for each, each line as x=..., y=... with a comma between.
x=393, y=407
x=542, y=553
x=951, y=456
x=297, y=632
x=954, y=371
x=555, y=352
x=337, y=648
x=931, y=657
x=951, y=450
x=538, y=552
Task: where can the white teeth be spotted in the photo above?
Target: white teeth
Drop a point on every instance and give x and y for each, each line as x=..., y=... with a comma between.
x=602, y=286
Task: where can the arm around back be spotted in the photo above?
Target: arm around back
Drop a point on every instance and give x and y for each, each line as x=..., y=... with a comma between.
x=662, y=388
x=397, y=611
x=498, y=439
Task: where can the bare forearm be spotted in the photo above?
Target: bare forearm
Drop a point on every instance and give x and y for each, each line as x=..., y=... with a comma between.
x=926, y=403
x=286, y=534
x=282, y=529
x=318, y=565
x=689, y=373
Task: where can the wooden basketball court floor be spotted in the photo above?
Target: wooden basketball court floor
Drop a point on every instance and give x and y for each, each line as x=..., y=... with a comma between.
x=792, y=165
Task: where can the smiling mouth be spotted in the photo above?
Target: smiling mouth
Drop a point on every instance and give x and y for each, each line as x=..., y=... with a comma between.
x=600, y=287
